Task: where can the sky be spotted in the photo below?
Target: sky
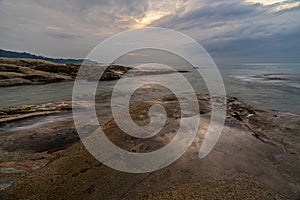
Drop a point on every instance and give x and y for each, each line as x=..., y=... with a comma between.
x=230, y=30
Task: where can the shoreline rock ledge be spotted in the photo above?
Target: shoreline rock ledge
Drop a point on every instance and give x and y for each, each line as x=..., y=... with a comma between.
x=256, y=157
x=17, y=71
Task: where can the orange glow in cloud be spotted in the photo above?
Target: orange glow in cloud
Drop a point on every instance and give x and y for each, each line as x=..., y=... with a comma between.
x=136, y=54
x=149, y=18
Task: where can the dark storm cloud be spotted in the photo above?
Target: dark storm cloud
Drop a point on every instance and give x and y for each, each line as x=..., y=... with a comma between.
x=63, y=35
x=113, y=9
x=228, y=28
x=211, y=13
x=238, y=31
x=88, y=21
x=215, y=15
x=280, y=47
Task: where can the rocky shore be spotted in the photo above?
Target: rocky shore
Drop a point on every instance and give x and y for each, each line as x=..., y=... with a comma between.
x=16, y=71
x=257, y=157
x=28, y=111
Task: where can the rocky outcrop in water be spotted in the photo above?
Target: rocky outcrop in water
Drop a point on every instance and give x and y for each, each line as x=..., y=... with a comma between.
x=15, y=71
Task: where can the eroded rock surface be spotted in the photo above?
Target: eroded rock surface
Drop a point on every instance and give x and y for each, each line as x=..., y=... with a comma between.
x=256, y=157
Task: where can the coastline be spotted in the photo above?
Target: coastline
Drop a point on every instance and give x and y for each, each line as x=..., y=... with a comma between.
x=256, y=156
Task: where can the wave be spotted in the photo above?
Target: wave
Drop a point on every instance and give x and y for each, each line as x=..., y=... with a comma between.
x=275, y=79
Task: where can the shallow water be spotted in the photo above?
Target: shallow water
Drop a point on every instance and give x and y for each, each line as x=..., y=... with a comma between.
x=248, y=82
x=35, y=122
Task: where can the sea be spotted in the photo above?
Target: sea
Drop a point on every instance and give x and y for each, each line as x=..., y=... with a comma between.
x=273, y=86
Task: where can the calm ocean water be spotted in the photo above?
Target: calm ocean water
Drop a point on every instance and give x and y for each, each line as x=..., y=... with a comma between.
x=270, y=86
